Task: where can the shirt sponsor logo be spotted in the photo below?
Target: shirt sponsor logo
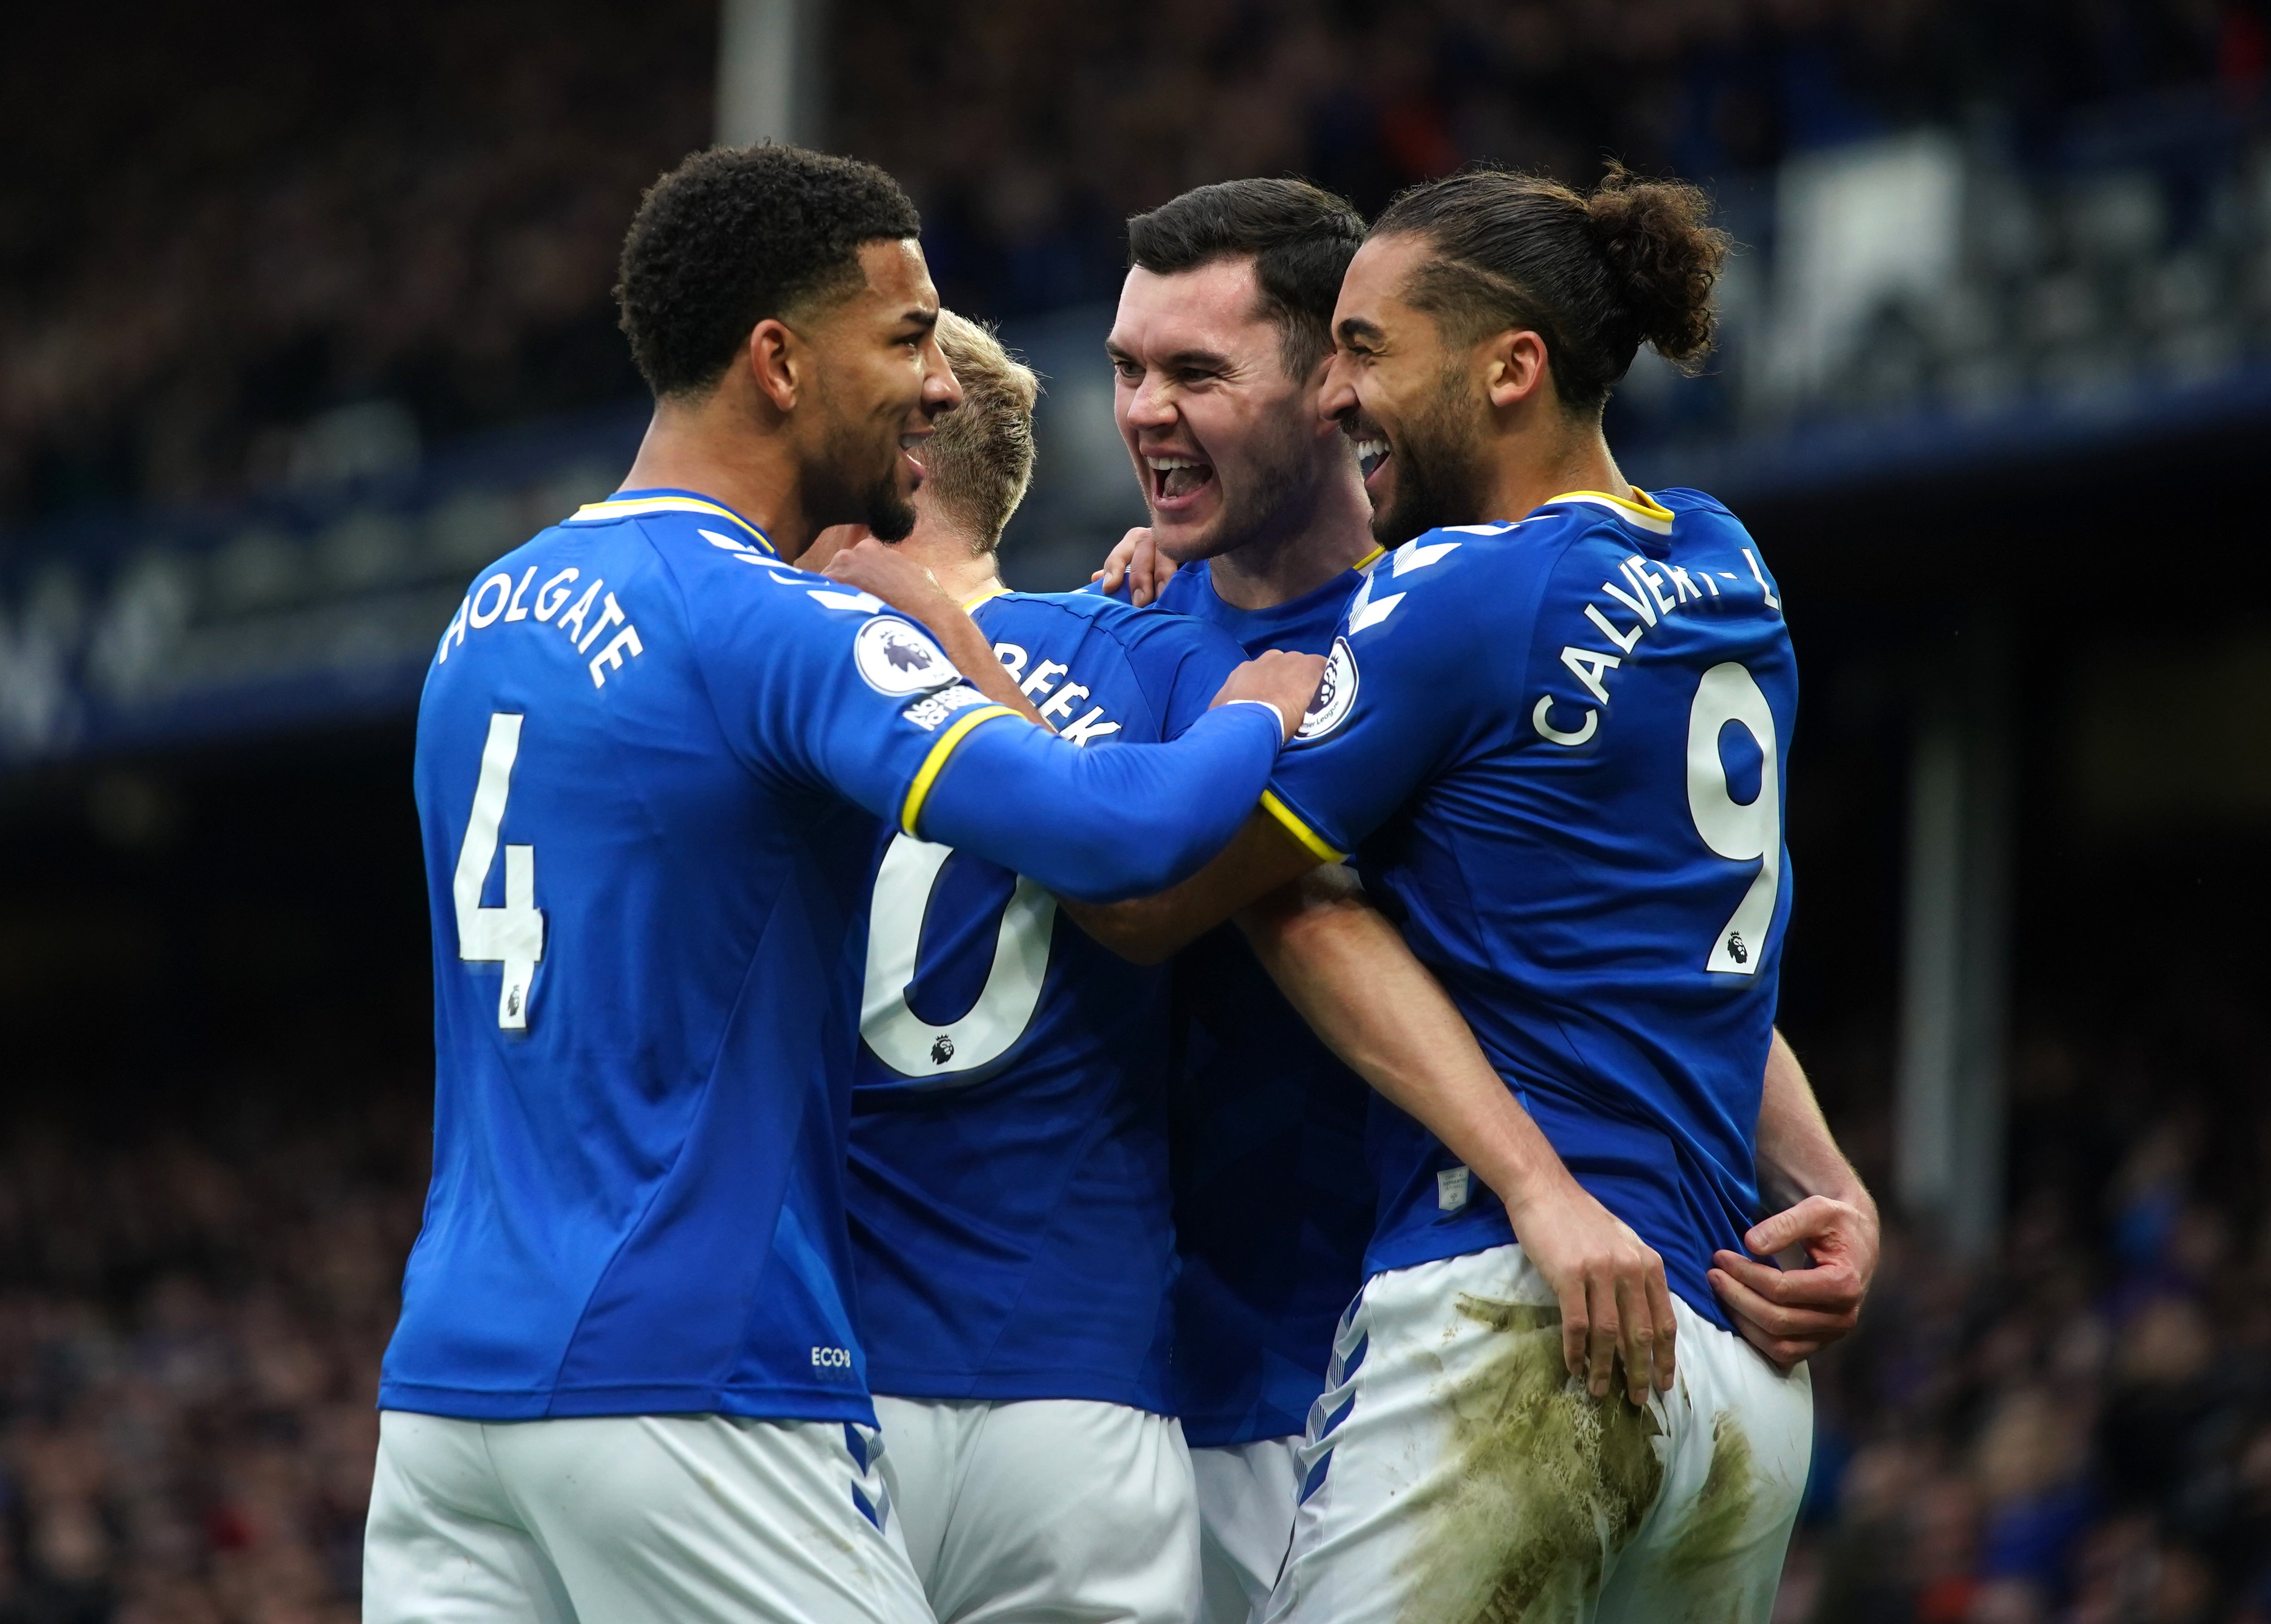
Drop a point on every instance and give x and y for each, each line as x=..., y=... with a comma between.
x=1335, y=695
x=896, y=658
x=832, y=1358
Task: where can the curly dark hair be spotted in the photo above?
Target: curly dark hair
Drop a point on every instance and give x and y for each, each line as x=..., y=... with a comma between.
x=1301, y=238
x=1597, y=275
x=738, y=234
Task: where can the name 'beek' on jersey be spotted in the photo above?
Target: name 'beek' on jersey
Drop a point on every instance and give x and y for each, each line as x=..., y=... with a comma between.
x=1558, y=748
x=1009, y=1186
x=644, y=752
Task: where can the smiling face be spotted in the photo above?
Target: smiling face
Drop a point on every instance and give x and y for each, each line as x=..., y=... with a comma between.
x=1414, y=405
x=878, y=384
x=1224, y=442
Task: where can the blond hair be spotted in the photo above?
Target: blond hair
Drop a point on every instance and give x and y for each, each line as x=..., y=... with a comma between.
x=980, y=459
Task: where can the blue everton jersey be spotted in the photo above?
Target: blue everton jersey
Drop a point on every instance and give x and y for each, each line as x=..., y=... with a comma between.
x=1009, y=1195
x=1558, y=750
x=650, y=764
x=1273, y=1202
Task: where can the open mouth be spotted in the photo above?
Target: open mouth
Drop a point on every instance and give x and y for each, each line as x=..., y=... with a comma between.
x=911, y=446
x=1371, y=453
x=1176, y=479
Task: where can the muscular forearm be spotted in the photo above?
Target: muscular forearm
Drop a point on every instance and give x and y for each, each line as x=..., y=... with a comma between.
x=1349, y=973
x=1797, y=1154
x=1146, y=930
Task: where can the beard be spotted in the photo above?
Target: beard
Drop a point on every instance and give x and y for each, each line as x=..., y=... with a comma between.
x=888, y=516
x=1439, y=478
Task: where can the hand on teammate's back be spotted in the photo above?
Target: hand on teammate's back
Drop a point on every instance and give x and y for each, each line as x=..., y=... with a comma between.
x=1614, y=1301
x=1277, y=677
x=1137, y=558
x=1792, y=1314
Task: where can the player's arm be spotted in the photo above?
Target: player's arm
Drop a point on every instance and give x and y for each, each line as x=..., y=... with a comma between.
x=1107, y=823
x=875, y=567
x=1346, y=968
x=1148, y=930
x=1789, y=1314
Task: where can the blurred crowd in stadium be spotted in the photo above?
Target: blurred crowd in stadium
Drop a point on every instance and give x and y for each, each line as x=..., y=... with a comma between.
x=212, y=234
x=190, y=1334
x=2079, y=1432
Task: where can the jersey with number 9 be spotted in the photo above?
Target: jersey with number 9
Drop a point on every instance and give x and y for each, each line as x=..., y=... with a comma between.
x=1559, y=747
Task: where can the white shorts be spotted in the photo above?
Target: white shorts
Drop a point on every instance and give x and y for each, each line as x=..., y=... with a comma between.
x=1454, y=1473
x=1247, y=1494
x=699, y=1519
x=1043, y=1510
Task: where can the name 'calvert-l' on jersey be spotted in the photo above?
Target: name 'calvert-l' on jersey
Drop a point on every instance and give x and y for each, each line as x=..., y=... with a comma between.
x=650, y=763
x=1008, y=1191
x=1558, y=748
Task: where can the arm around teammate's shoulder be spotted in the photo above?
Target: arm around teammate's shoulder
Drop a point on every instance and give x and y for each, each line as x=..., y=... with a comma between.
x=1123, y=821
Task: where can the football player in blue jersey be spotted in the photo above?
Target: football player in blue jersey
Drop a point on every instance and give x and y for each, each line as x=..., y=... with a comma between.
x=1009, y=1193
x=652, y=756
x=1220, y=347
x=1553, y=730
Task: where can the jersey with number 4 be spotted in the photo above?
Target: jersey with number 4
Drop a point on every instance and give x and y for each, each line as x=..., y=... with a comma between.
x=651, y=760
x=1559, y=748
x=1008, y=1193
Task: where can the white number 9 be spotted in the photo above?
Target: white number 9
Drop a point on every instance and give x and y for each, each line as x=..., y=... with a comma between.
x=903, y=1039
x=1739, y=831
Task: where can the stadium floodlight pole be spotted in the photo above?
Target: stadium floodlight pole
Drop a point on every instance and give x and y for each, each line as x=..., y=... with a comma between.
x=771, y=77
x=1955, y=950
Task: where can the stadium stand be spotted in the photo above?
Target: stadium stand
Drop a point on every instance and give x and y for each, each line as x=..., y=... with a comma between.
x=303, y=318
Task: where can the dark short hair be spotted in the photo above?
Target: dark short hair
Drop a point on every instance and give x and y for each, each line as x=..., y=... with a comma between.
x=1301, y=238
x=738, y=234
x=1595, y=274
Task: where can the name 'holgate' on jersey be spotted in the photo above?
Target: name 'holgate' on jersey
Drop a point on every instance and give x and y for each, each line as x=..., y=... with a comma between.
x=1558, y=750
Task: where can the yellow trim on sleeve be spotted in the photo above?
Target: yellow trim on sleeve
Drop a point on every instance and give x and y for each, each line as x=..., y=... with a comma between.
x=934, y=763
x=1314, y=843
x=632, y=507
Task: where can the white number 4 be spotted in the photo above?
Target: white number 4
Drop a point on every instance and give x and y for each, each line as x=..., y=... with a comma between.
x=514, y=934
x=1738, y=830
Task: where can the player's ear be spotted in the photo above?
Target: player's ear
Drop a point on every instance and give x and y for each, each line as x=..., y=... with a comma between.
x=1514, y=367
x=776, y=363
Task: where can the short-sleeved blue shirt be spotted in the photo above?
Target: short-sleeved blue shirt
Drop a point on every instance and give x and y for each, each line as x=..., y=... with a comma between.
x=1273, y=1201
x=1558, y=748
x=1009, y=1193
x=650, y=763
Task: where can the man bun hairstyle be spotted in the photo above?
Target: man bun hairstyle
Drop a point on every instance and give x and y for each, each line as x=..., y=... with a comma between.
x=738, y=234
x=980, y=459
x=1301, y=238
x=1596, y=276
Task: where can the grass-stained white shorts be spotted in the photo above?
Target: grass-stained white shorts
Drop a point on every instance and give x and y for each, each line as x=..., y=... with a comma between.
x=699, y=1519
x=1455, y=1473
x=1043, y=1510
